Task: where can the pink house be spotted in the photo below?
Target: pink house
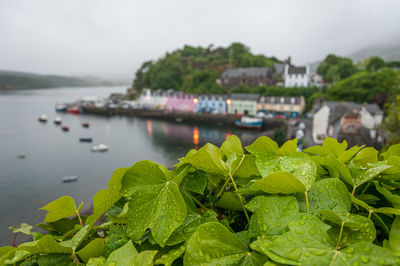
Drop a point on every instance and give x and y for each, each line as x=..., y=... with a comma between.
x=179, y=101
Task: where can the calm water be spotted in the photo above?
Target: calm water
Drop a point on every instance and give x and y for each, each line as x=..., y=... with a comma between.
x=30, y=183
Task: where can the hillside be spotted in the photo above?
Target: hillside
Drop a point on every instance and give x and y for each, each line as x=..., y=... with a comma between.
x=10, y=80
x=387, y=53
x=196, y=69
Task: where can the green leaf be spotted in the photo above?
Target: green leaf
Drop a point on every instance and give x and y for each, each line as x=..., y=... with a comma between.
x=196, y=181
x=78, y=238
x=232, y=144
x=310, y=245
x=155, y=197
x=393, y=150
x=96, y=261
x=394, y=236
x=336, y=168
x=18, y=256
x=213, y=244
x=95, y=248
x=189, y=226
x=6, y=253
x=271, y=215
x=361, y=176
x=61, y=208
x=393, y=198
x=123, y=255
x=230, y=201
x=366, y=155
x=288, y=147
x=291, y=173
x=169, y=257
x=332, y=145
x=348, y=154
x=144, y=258
x=263, y=145
x=105, y=198
x=54, y=259
x=248, y=167
x=22, y=228
x=207, y=159
x=327, y=194
x=44, y=245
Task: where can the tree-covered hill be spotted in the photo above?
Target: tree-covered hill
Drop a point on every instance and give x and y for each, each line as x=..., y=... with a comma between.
x=196, y=69
x=10, y=80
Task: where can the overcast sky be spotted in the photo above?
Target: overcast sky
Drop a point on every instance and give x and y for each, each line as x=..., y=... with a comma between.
x=112, y=38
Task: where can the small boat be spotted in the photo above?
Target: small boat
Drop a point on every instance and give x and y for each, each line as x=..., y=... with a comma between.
x=43, y=118
x=21, y=156
x=250, y=122
x=65, y=128
x=73, y=110
x=57, y=121
x=67, y=179
x=85, y=124
x=100, y=148
x=61, y=107
x=85, y=139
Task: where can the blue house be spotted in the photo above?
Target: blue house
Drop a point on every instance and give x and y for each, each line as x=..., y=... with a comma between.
x=213, y=104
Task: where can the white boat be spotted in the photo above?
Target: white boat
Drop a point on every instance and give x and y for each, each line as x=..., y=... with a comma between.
x=57, y=121
x=250, y=122
x=43, y=118
x=100, y=148
x=67, y=179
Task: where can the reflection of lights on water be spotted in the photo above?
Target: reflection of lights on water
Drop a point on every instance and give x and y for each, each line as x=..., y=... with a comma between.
x=227, y=134
x=149, y=128
x=195, y=136
x=108, y=129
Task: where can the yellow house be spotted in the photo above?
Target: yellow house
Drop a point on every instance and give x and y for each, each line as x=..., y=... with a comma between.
x=281, y=105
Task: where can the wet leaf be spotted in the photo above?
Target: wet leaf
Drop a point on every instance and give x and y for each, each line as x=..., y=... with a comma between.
x=230, y=201
x=232, y=144
x=360, y=176
x=61, y=208
x=196, y=181
x=23, y=228
x=394, y=236
x=263, y=145
x=271, y=215
x=78, y=238
x=44, y=245
x=105, y=198
x=288, y=147
x=169, y=257
x=123, y=255
x=18, y=256
x=144, y=258
x=365, y=156
x=213, y=244
x=95, y=248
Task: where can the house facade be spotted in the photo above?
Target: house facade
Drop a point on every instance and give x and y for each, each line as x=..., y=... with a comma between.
x=178, y=101
x=297, y=76
x=331, y=118
x=285, y=106
x=145, y=99
x=214, y=104
x=243, y=104
x=158, y=99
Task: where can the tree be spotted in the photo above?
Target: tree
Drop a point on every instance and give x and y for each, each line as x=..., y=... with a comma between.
x=335, y=68
x=391, y=124
x=375, y=63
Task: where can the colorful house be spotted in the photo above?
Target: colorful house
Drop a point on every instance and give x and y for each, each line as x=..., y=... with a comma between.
x=145, y=99
x=179, y=101
x=285, y=106
x=214, y=104
x=158, y=99
x=243, y=104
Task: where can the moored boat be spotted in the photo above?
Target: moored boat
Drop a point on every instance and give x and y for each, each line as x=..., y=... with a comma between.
x=250, y=122
x=61, y=107
x=85, y=139
x=73, y=110
x=85, y=124
x=43, y=118
x=67, y=179
x=65, y=128
x=57, y=121
x=100, y=148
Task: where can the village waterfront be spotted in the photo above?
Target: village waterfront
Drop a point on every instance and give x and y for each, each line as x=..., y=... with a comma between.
x=29, y=183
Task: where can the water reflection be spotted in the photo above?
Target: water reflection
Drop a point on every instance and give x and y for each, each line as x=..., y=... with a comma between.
x=149, y=129
x=196, y=137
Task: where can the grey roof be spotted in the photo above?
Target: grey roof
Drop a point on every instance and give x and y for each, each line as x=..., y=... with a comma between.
x=279, y=68
x=297, y=70
x=245, y=96
x=248, y=71
x=212, y=96
x=280, y=100
x=338, y=109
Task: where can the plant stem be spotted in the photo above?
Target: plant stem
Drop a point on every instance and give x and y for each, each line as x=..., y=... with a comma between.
x=14, y=239
x=365, y=189
x=223, y=187
x=340, y=235
x=237, y=167
x=370, y=213
x=79, y=217
x=240, y=197
x=383, y=224
x=307, y=207
x=75, y=258
x=196, y=200
x=209, y=179
x=354, y=190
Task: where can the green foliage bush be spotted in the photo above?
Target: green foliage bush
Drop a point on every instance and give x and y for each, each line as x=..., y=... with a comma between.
x=271, y=205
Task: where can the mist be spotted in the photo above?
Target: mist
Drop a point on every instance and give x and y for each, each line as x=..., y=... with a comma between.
x=111, y=39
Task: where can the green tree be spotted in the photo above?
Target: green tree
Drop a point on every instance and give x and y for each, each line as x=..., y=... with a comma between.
x=335, y=68
x=375, y=63
x=391, y=124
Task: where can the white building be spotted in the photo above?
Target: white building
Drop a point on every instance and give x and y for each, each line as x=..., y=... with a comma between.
x=145, y=99
x=327, y=119
x=296, y=76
